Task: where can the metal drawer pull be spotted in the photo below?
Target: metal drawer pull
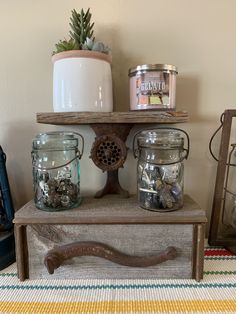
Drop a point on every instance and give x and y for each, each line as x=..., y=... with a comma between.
x=55, y=257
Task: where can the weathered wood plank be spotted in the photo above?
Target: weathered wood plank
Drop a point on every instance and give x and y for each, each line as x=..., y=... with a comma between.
x=21, y=252
x=135, y=117
x=110, y=210
x=200, y=231
x=130, y=239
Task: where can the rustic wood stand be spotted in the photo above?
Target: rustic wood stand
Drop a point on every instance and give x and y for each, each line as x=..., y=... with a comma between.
x=110, y=236
x=117, y=234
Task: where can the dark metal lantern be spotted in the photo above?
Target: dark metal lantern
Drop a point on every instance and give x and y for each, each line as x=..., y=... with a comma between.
x=223, y=217
x=7, y=242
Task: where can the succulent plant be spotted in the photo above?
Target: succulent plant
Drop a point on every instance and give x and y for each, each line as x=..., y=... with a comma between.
x=64, y=45
x=81, y=26
x=95, y=46
x=81, y=35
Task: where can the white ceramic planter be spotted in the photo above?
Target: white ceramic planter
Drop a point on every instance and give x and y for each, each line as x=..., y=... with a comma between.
x=82, y=81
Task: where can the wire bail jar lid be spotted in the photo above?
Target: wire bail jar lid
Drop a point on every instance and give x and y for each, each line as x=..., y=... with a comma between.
x=57, y=140
x=161, y=139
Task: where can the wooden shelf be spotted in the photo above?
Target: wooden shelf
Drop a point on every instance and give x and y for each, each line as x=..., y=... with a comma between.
x=111, y=210
x=131, y=117
x=110, y=227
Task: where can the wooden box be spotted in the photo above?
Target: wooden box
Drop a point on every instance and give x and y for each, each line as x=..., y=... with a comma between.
x=114, y=238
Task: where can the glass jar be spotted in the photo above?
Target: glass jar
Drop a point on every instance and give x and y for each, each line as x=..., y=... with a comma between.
x=160, y=169
x=56, y=170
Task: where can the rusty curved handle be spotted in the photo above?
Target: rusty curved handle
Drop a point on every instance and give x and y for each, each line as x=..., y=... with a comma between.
x=55, y=257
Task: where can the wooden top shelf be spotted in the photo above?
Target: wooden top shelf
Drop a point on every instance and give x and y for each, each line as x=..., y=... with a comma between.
x=131, y=117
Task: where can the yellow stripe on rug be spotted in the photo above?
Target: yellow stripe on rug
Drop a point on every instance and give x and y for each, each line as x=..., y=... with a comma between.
x=152, y=306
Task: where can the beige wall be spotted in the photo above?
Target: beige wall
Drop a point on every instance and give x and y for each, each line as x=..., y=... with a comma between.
x=196, y=36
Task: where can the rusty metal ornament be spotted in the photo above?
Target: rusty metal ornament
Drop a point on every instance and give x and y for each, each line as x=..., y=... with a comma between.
x=55, y=257
x=108, y=152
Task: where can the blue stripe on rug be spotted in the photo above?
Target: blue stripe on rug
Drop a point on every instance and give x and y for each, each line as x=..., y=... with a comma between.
x=134, y=286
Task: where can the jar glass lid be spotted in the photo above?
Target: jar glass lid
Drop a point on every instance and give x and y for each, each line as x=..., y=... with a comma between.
x=165, y=138
x=57, y=140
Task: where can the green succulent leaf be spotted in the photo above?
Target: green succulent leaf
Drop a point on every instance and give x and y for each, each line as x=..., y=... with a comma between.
x=65, y=45
x=81, y=26
x=90, y=44
x=99, y=46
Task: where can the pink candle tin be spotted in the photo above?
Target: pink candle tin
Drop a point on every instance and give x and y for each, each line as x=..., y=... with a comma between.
x=153, y=86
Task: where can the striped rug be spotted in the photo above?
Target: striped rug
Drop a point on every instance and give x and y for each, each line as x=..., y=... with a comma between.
x=216, y=293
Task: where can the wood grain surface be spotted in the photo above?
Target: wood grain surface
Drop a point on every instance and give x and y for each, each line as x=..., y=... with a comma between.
x=136, y=240
x=135, y=117
x=110, y=210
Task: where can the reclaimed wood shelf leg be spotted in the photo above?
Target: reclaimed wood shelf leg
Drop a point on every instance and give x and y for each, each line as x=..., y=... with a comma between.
x=21, y=252
x=198, y=251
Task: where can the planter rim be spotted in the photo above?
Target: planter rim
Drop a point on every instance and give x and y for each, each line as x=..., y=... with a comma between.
x=82, y=54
